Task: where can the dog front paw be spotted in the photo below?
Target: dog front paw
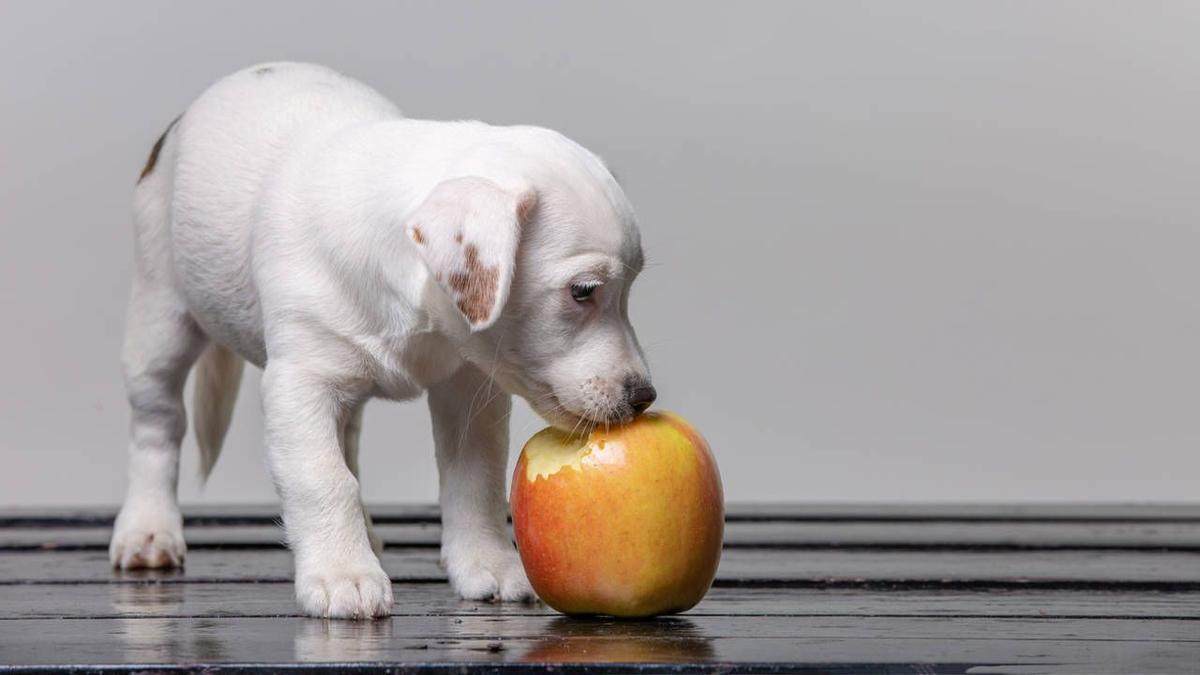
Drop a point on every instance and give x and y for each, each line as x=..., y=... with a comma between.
x=147, y=538
x=488, y=573
x=361, y=591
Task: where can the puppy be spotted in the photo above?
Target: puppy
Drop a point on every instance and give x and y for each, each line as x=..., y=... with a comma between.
x=292, y=218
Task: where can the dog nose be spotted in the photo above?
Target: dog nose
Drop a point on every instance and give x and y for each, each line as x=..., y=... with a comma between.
x=640, y=395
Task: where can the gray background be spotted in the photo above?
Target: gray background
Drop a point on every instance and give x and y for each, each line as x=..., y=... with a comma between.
x=899, y=251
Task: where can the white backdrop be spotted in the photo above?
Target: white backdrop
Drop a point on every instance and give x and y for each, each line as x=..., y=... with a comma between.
x=899, y=251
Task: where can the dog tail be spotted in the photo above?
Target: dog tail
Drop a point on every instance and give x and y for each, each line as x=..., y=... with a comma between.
x=218, y=376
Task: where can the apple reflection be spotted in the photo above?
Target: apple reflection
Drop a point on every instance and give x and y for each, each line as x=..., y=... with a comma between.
x=602, y=640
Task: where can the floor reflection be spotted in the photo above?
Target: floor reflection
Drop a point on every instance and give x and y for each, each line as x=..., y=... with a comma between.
x=610, y=640
x=150, y=625
x=146, y=599
x=325, y=640
x=156, y=622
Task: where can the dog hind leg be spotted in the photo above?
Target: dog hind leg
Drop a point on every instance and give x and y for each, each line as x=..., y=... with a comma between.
x=162, y=341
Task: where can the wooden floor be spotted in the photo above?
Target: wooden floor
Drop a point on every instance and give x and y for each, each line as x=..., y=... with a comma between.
x=813, y=589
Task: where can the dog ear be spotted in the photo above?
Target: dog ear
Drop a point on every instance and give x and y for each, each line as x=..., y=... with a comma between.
x=467, y=232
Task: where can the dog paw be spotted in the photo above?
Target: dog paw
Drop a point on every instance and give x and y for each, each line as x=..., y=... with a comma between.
x=345, y=592
x=147, y=538
x=488, y=573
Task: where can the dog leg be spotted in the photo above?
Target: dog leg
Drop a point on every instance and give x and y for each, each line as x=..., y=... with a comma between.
x=351, y=430
x=337, y=573
x=161, y=344
x=470, y=431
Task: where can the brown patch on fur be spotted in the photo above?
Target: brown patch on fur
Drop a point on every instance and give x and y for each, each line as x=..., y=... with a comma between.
x=526, y=204
x=476, y=287
x=265, y=70
x=418, y=236
x=458, y=237
x=152, y=160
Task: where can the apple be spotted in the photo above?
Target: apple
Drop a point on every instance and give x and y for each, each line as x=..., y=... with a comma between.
x=624, y=521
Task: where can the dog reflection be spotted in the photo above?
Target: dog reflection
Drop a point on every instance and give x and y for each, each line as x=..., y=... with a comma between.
x=324, y=640
x=153, y=628
x=588, y=640
x=146, y=599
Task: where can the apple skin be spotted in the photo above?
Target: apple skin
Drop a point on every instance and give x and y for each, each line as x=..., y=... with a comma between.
x=626, y=522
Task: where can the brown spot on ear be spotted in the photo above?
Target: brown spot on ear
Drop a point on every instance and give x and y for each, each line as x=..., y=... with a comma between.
x=458, y=237
x=418, y=236
x=152, y=160
x=476, y=287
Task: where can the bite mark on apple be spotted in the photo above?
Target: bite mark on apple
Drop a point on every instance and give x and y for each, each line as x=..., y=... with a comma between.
x=546, y=459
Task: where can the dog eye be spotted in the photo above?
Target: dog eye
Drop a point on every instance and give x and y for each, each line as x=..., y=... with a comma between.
x=582, y=292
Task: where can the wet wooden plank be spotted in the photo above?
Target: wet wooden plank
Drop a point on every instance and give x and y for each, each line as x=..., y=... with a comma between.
x=813, y=588
x=1065, y=645
x=1146, y=570
x=969, y=513
x=796, y=535
x=420, y=535
x=261, y=514
x=250, y=599
x=464, y=627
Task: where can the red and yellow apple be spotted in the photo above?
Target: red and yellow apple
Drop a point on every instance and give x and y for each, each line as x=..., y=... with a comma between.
x=626, y=521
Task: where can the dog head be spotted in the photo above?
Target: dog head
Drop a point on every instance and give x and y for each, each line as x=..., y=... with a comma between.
x=540, y=268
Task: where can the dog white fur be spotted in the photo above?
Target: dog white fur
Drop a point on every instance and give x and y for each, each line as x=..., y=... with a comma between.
x=291, y=217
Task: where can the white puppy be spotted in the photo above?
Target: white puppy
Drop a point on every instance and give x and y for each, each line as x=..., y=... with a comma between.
x=292, y=218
